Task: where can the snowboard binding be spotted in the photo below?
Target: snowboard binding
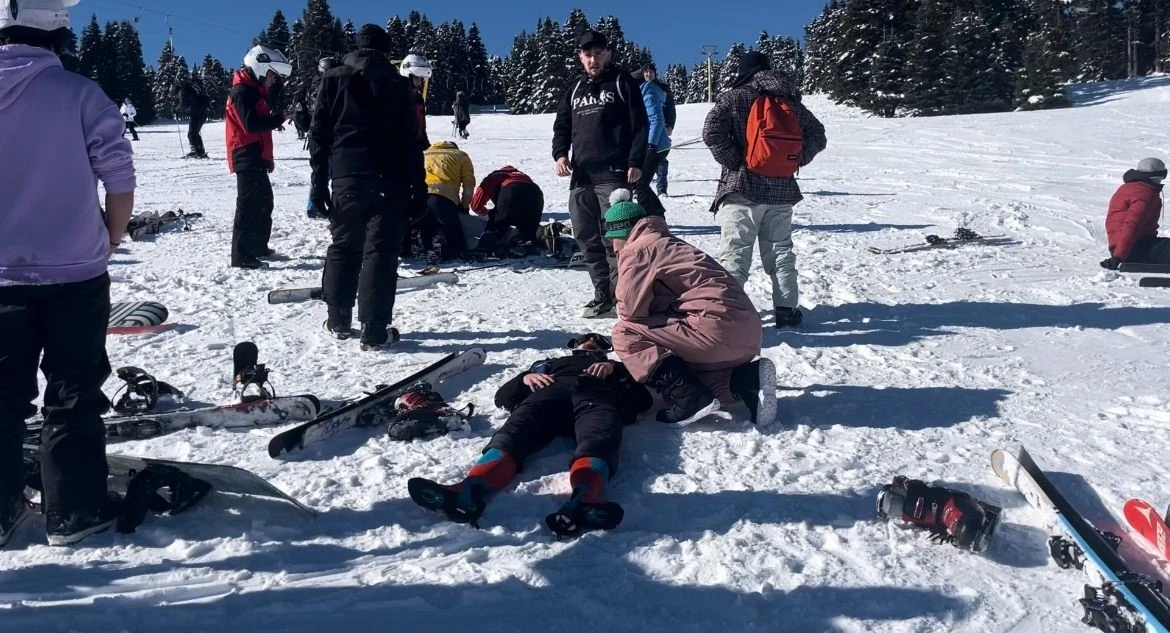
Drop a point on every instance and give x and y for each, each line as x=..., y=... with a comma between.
x=464, y=505
x=159, y=489
x=951, y=516
x=250, y=376
x=140, y=391
x=1107, y=610
x=421, y=413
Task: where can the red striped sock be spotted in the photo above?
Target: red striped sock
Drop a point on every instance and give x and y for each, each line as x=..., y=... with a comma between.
x=591, y=475
x=495, y=469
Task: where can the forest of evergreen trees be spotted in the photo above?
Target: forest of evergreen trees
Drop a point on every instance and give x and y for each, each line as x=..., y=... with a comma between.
x=888, y=57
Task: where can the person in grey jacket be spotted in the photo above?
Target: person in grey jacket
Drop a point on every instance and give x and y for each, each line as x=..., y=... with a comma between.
x=753, y=207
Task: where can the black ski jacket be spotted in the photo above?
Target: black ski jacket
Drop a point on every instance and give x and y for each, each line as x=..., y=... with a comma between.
x=604, y=121
x=631, y=397
x=364, y=125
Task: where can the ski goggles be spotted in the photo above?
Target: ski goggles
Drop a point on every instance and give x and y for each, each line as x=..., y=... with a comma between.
x=603, y=342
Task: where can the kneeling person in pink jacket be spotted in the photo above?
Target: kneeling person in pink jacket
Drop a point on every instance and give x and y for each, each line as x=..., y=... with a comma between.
x=685, y=325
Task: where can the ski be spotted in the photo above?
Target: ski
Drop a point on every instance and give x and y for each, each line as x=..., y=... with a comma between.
x=1124, y=599
x=1144, y=519
x=962, y=237
x=241, y=415
x=1154, y=282
x=374, y=408
x=1134, y=267
x=297, y=295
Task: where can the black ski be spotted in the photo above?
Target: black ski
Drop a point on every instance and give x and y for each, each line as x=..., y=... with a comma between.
x=1134, y=267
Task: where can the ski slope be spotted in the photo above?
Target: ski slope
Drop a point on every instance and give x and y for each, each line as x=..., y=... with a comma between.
x=918, y=364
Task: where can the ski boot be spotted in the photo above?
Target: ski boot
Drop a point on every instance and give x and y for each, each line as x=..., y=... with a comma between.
x=577, y=517
x=421, y=413
x=952, y=516
x=461, y=505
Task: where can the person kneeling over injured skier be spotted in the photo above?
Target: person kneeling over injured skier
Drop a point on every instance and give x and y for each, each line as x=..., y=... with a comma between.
x=585, y=396
x=685, y=325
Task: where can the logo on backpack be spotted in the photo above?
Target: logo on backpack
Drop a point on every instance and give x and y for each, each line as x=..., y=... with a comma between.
x=774, y=140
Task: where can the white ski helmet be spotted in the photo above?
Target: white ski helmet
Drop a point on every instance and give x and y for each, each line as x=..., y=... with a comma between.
x=415, y=65
x=42, y=15
x=262, y=59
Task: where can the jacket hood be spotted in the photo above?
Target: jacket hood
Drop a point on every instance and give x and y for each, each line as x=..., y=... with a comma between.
x=1132, y=175
x=371, y=64
x=772, y=82
x=651, y=227
x=19, y=66
x=443, y=145
x=244, y=77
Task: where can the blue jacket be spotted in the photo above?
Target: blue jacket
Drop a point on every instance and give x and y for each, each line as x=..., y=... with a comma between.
x=655, y=99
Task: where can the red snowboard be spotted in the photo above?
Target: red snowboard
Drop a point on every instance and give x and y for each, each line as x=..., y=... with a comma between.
x=1144, y=519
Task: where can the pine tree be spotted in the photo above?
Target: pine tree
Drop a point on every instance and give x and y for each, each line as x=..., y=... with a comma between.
x=497, y=73
x=928, y=86
x=519, y=74
x=399, y=43
x=130, y=71
x=217, y=82
x=550, y=81
x=170, y=73
x=823, y=39
x=676, y=78
x=479, y=72
x=576, y=25
x=277, y=35
x=90, y=52
x=729, y=69
x=107, y=75
x=321, y=36
x=349, y=34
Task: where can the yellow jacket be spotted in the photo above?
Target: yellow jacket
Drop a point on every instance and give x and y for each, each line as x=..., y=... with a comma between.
x=448, y=167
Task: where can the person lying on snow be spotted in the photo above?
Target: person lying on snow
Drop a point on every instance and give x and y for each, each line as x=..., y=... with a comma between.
x=1132, y=221
x=685, y=325
x=585, y=396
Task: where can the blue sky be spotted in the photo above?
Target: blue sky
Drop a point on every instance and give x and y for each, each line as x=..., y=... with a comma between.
x=674, y=30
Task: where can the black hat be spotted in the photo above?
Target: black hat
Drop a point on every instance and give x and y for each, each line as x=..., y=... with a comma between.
x=750, y=64
x=372, y=37
x=649, y=66
x=593, y=39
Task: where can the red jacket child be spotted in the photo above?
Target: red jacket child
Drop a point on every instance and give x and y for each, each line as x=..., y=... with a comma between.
x=1134, y=211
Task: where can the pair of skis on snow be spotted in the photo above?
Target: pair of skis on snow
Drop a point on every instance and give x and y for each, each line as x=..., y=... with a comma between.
x=961, y=237
x=1118, y=599
x=153, y=222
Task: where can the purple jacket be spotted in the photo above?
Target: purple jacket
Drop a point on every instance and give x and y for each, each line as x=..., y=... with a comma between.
x=59, y=134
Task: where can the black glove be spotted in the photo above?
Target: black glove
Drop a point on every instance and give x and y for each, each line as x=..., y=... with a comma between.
x=319, y=198
x=1112, y=263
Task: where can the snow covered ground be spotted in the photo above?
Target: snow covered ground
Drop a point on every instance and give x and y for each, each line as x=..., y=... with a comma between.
x=918, y=364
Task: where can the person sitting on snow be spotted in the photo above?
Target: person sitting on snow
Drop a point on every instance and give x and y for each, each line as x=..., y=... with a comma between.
x=685, y=325
x=450, y=181
x=585, y=396
x=1132, y=220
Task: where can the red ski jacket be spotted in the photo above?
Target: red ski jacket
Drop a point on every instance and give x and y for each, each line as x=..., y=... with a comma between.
x=489, y=188
x=249, y=124
x=1133, y=213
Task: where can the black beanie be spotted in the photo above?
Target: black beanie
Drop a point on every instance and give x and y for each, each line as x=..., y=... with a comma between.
x=373, y=37
x=750, y=64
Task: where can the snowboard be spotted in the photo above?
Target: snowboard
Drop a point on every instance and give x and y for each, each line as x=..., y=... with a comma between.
x=152, y=223
x=374, y=408
x=1124, y=598
x=962, y=237
x=223, y=479
x=1145, y=520
x=1133, y=267
x=296, y=295
x=241, y=415
x=135, y=317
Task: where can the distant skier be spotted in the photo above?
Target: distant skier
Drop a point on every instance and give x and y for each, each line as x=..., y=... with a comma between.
x=753, y=206
x=517, y=201
x=585, y=396
x=462, y=114
x=363, y=137
x=129, y=114
x=1132, y=221
x=670, y=116
x=658, y=138
x=323, y=66
x=685, y=325
x=249, y=126
x=417, y=69
x=60, y=134
x=195, y=103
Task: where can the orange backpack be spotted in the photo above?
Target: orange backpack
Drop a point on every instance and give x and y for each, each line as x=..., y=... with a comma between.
x=774, y=140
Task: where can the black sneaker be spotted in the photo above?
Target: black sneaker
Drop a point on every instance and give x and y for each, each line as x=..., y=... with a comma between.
x=689, y=400
x=339, y=325
x=251, y=264
x=754, y=383
x=377, y=336
x=62, y=530
x=598, y=309
x=788, y=317
x=12, y=519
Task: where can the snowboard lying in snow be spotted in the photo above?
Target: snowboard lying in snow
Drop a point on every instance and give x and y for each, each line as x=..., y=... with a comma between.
x=296, y=295
x=1148, y=282
x=136, y=317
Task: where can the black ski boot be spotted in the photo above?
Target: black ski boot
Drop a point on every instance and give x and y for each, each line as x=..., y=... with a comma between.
x=378, y=335
x=952, y=516
x=689, y=399
x=577, y=517
x=339, y=325
x=464, y=505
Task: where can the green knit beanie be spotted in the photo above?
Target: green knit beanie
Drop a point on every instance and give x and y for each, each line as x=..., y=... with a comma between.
x=622, y=214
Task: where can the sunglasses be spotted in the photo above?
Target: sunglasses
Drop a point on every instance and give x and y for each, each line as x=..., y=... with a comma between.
x=602, y=342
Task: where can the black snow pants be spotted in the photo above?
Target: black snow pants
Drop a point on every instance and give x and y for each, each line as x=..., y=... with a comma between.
x=253, y=223
x=519, y=204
